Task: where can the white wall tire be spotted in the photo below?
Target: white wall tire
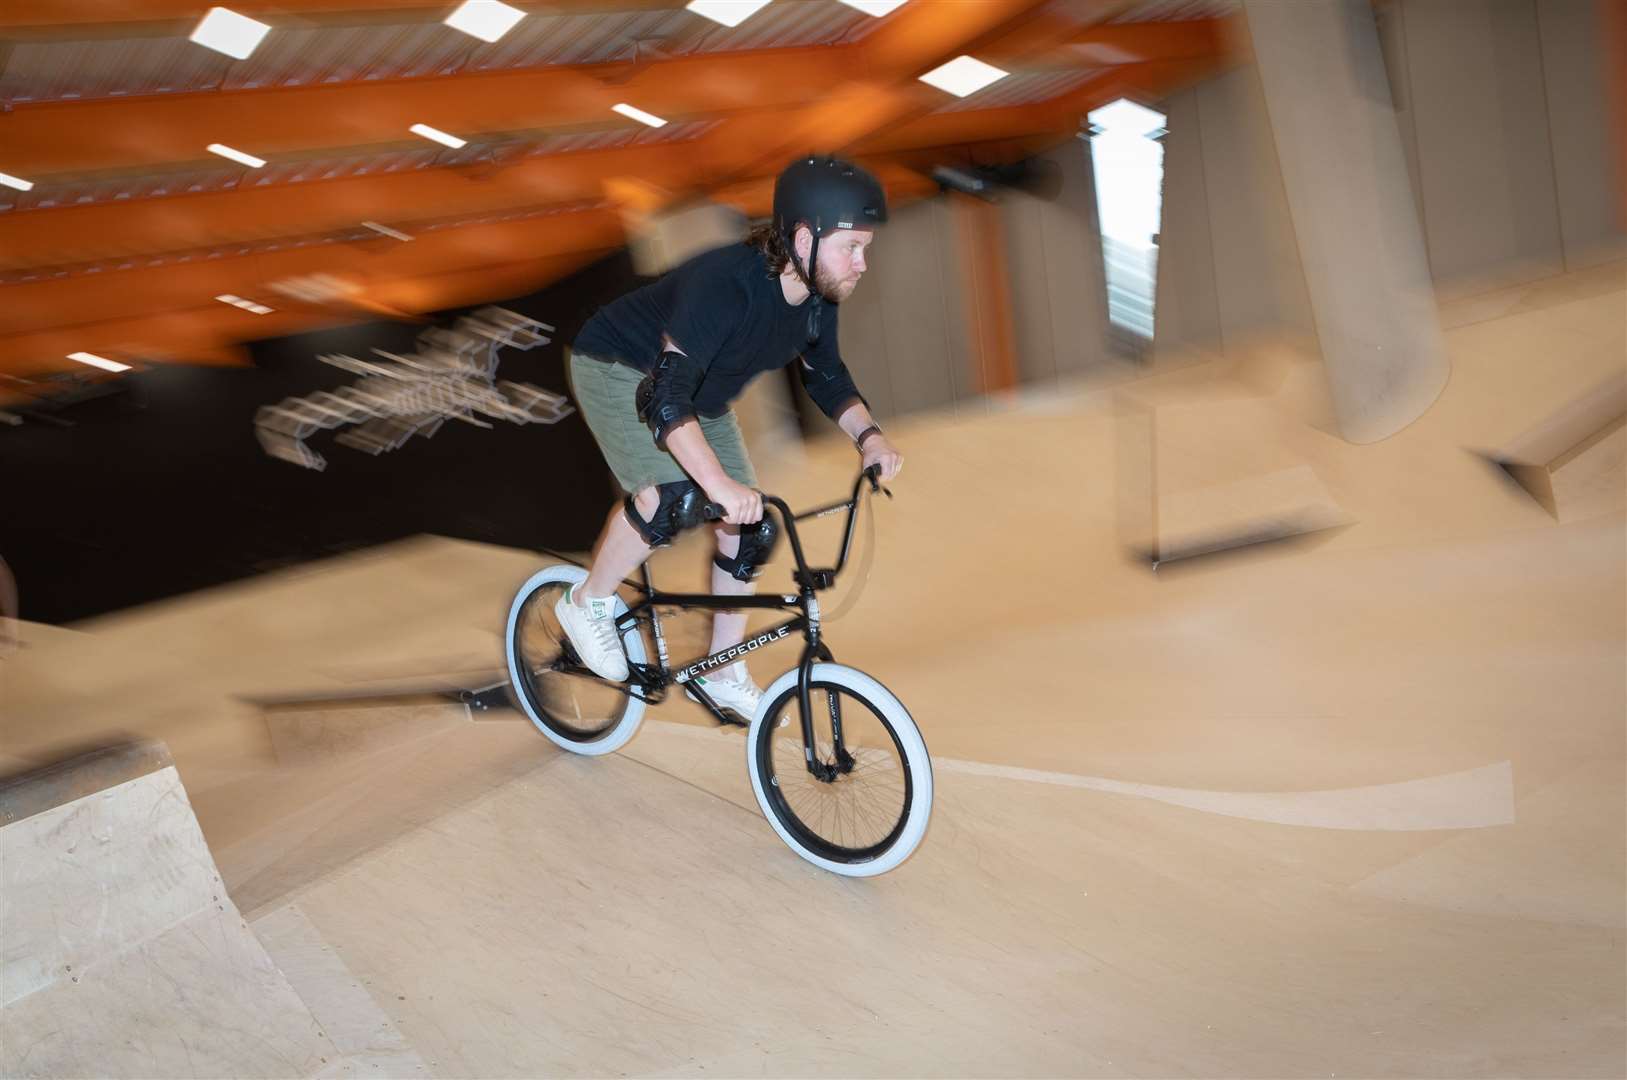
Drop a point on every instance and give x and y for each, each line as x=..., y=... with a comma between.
x=611, y=739
x=907, y=736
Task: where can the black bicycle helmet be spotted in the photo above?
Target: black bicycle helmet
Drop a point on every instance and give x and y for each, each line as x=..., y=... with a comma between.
x=825, y=194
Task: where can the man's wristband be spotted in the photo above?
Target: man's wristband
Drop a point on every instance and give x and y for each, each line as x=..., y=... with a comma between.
x=873, y=429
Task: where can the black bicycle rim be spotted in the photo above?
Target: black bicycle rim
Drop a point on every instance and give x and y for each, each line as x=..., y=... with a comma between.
x=539, y=684
x=780, y=804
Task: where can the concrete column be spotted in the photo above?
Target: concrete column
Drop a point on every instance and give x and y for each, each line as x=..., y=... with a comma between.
x=985, y=292
x=1054, y=262
x=1355, y=221
x=1188, y=312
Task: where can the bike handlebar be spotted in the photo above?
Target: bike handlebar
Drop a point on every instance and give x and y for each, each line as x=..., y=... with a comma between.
x=714, y=512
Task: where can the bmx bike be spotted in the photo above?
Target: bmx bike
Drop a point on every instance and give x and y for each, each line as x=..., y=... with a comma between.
x=838, y=766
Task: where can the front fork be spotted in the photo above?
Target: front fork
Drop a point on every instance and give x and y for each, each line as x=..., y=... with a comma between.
x=816, y=649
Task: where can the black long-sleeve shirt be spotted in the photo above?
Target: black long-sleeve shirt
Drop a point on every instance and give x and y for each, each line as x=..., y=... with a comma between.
x=725, y=310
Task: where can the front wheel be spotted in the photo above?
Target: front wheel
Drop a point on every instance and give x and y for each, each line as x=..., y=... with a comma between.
x=862, y=809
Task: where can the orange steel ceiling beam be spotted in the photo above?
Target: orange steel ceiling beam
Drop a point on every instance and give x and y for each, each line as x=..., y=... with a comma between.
x=49, y=13
x=60, y=301
x=206, y=334
x=85, y=233
x=1053, y=40
x=863, y=102
x=916, y=39
x=447, y=269
x=70, y=234
x=79, y=234
x=182, y=277
x=919, y=36
x=1135, y=43
x=1154, y=80
x=867, y=115
x=49, y=138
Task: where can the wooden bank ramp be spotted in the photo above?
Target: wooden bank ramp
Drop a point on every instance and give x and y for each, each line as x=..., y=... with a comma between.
x=122, y=953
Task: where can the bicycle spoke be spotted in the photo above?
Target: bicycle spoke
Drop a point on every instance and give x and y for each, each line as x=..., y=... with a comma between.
x=569, y=699
x=854, y=811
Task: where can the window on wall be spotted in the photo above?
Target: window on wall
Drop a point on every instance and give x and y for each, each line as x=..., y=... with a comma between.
x=1129, y=165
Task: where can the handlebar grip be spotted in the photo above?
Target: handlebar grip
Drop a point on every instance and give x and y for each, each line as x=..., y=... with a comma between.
x=713, y=512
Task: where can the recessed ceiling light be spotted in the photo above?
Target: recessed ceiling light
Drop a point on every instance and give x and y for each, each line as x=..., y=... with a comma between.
x=16, y=182
x=237, y=155
x=385, y=230
x=98, y=361
x=487, y=20
x=638, y=114
x=226, y=31
x=878, y=8
x=963, y=75
x=438, y=136
x=727, y=12
x=246, y=305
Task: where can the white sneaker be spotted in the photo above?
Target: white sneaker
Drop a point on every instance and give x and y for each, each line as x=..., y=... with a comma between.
x=592, y=630
x=739, y=697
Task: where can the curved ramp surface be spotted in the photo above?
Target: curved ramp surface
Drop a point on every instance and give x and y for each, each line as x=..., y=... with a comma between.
x=122, y=953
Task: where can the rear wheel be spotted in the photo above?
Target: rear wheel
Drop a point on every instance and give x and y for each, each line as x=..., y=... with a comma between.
x=857, y=813
x=577, y=710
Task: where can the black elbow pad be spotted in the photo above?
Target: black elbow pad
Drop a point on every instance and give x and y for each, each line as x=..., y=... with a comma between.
x=666, y=397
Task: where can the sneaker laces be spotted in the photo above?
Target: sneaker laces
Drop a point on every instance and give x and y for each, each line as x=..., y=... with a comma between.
x=603, y=626
x=604, y=631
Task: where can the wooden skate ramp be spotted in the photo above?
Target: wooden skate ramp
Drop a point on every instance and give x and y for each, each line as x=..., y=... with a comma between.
x=123, y=953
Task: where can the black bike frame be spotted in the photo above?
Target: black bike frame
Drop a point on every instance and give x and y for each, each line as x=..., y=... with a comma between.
x=654, y=678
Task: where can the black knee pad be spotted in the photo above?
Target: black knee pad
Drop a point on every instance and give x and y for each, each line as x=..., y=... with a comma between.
x=756, y=545
x=680, y=508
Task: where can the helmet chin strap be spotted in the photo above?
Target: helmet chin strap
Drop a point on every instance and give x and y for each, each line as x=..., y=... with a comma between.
x=806, y=278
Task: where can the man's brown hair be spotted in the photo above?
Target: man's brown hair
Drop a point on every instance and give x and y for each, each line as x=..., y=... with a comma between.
x=767, y=239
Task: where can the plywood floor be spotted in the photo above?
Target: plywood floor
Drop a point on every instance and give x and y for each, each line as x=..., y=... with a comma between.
x=1352, y=805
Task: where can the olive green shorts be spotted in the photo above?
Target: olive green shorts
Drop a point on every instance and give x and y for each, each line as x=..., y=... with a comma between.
x=605, y=390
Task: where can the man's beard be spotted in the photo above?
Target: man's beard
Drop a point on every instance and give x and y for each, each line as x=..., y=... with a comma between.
x=830, y=287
